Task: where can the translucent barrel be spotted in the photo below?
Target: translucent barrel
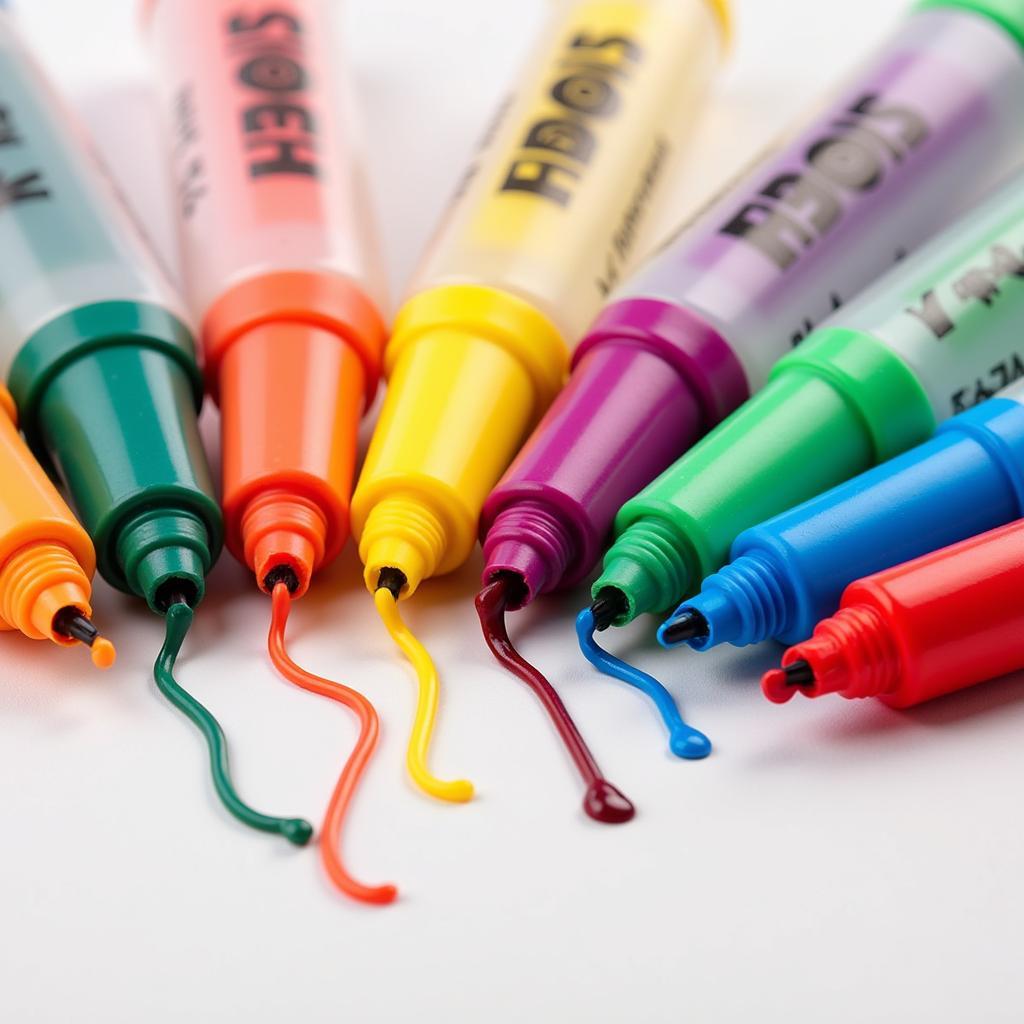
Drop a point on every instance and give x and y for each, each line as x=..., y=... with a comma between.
x=551, y=207
x=267, y=162
x=905, y=146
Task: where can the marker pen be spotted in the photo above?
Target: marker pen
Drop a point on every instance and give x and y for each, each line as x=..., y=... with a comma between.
x=543, y=226
x=283, y=275
x=929, y=339
x=97, y=355
x=688, y=337
x=790, y=572
x=46, y=558
x=940, y=623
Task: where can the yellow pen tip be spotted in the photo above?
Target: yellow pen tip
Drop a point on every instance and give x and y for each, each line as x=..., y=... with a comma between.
x=104, y=653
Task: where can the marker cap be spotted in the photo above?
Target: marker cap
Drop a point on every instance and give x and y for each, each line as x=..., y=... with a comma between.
x=853, y=653
x=832, y=408
x=789, y=572
x=294, y=360
x=933, y=625
x=649, y=379
x=470, y=371
x=109, y=394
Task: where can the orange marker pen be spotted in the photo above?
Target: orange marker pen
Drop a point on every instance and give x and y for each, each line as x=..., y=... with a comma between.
x=46, y=558
x=282, y=274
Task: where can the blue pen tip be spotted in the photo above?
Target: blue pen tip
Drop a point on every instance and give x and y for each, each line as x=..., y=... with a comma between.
x=685, y=626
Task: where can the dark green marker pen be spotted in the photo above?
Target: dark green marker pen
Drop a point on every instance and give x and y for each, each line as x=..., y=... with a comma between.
x=101, y=363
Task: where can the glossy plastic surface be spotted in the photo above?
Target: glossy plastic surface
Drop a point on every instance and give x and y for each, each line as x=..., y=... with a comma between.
x=939, y=623
x=789, y=573
x=804, y=229
x=543, y=226
x=130, y=455
x=46, y=558
x=910, y=141
x=282, y=268
x=1007, y=13
x=99, y=360
x=932, y=337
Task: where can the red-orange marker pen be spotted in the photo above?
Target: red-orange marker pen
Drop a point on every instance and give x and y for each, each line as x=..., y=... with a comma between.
x=282, y=274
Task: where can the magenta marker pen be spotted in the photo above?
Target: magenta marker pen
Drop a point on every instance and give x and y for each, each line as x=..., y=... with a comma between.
x=913, y=138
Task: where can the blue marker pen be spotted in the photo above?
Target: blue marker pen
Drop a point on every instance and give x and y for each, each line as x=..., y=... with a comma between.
x=789, y=572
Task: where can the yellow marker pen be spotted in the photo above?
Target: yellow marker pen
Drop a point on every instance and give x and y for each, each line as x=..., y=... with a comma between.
x=542, y=227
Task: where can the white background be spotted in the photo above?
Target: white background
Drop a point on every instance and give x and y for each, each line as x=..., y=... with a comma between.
x=831, y=861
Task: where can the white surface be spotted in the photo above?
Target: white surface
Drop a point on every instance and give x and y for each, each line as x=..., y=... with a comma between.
x=831, y=861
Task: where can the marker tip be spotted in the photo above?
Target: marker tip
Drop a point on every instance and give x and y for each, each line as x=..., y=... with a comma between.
x=609, y=604
x=687, y=625
x=780, y=684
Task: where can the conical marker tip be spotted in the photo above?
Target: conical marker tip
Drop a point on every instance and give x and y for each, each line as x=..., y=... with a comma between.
x=281, y=574
x=609, y=604
x=393, y=580
x=781, y=684
x=688, y=625
x=72, y=622
x=510, y=589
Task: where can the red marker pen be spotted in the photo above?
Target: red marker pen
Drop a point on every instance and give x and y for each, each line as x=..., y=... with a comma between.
x=928, y=627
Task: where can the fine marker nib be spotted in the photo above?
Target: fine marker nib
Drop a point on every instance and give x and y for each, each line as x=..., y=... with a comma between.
x=780, y=684
x=392, y=580
x=174, y=592
x=688, y=625
x=73, y=623
x=281, y=574
x=609, y=604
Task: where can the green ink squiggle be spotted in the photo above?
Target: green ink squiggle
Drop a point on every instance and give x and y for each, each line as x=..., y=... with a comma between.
x=179, y=619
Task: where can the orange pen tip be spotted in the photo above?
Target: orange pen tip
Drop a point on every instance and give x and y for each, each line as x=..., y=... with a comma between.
x=104, y=654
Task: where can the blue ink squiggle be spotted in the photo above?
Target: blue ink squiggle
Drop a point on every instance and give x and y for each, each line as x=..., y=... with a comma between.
x=684, y=740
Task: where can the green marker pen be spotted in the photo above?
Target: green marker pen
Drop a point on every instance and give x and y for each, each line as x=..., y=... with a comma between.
x=101, y=363
x=938, y=333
